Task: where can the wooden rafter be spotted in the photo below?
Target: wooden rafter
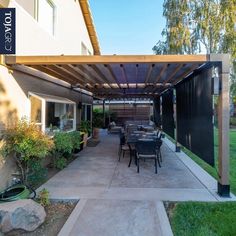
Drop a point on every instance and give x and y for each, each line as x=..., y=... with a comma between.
x=123, y=71
x=100, y=74
x=53, y=73
x=86, y=71
x=112, y=74
x=150, y=69
x=173, y=73
x=81, y=75
x=184, y=74
x=59, y=69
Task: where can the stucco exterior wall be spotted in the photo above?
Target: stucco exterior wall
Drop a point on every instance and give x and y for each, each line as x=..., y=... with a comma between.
x=14, y=104
x=70, y=31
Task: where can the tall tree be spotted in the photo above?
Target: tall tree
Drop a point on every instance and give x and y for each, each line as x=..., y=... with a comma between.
x=194, y=26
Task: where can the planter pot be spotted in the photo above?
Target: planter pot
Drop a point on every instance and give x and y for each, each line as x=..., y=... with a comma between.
x=96, y=133
x=85, y=139
x=14, y=193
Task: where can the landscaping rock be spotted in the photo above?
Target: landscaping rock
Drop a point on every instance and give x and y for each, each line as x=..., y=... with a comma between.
x=22, y=214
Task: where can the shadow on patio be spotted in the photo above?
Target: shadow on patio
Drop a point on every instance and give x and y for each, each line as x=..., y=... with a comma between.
x=97, y=174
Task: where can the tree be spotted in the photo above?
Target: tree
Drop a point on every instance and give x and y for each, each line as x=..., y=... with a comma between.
x=194, y=26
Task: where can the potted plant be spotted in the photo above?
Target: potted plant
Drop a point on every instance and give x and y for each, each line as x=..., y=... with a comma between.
x=97, y=122
x=85, y=127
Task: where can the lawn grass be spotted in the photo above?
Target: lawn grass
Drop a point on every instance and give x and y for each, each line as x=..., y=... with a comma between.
x=213, y=170
x=204, y=219
x=208, y=219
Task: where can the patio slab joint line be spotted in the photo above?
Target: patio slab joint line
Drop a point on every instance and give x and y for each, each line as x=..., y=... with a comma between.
x=68, y=226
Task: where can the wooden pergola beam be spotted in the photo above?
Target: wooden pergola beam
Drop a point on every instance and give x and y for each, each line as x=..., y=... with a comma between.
x=95, y=59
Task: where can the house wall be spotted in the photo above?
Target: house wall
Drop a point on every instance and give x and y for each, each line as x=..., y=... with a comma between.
x=32, y=39
x=14, y=104
x=70, y=30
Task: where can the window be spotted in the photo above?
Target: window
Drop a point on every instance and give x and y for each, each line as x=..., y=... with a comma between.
x=59, y=116
x=46, y=15
x=86, y=112
x=36, y=111
x=52, y=113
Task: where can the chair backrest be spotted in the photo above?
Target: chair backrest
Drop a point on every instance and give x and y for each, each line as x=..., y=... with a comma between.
x=146, y=147
x=122, y=139
x=158, y=142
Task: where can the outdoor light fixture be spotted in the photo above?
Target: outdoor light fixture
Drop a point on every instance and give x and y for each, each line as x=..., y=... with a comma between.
x=215, y=81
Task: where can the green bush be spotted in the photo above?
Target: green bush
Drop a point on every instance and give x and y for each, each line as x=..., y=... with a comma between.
x=27, y=143
x=85, y=126
x=37, y=173
x=60, y=162
x=75, y=136
x=63, y=142
x=43, y=197
x=97, y=118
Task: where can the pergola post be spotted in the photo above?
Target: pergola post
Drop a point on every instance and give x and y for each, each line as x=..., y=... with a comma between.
x=103, y=110
x=223, y=126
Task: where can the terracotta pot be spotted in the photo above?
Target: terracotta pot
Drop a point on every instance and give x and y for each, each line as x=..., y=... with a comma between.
x=85, y=139
x=96, y=133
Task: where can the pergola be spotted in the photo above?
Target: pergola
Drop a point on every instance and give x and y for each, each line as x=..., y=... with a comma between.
x=132, y=76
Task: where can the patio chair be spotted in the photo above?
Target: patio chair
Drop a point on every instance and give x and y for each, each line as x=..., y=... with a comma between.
x=158, y=146
x=147, y=149
x=123, y=147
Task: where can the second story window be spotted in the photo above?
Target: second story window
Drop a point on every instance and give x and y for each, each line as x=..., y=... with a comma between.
x=46, y=15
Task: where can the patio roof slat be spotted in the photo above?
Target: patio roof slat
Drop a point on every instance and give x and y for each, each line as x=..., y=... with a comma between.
x=109, y=68
x=53, y=73
x=66, y=73
x=173, y=73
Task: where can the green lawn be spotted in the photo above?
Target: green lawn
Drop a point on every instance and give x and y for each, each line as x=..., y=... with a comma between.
x=204, y=219
x=213, y=171
x=208, y=219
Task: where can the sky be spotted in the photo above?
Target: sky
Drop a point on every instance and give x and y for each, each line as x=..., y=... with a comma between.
x=126, y=27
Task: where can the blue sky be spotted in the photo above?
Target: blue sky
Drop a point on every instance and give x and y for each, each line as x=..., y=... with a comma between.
x=127, y=26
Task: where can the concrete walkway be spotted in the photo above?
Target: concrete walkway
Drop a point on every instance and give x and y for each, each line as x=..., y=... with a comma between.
x=116, y=200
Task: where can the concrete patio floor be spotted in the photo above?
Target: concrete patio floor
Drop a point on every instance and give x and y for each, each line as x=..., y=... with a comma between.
x=116, y=200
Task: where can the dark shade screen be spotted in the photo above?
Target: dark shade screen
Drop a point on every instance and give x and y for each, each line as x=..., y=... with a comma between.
x=168, y=113
x=157, y=111
x=194, y=115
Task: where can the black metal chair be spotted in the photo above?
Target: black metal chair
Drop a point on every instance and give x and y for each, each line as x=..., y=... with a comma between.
x=123, y=147
x=147, y=149
x=158, y=146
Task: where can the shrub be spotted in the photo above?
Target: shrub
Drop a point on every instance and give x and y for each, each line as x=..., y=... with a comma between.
x=37, y=173
x=60, y=162
x=63, y=142
x=97, y=118
x=27, y=143
x=75, y=137
x=85, y=126
x=43, y=197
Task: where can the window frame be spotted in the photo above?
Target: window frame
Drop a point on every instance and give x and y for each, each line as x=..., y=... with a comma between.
x=52, y=4
x=43, y=113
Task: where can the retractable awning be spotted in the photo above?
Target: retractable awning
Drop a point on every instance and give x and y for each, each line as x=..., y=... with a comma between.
x=116, y=76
